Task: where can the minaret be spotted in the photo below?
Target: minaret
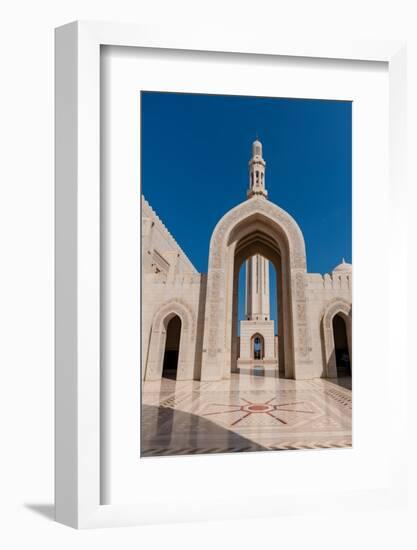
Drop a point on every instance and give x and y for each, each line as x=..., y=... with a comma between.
x=257, y=342
x=257, y=289
x=257, y=172
x=257, y=267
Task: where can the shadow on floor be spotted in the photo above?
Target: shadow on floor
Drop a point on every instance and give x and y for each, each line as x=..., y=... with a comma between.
x=344, y=382
x=166, y=431
x=45, y=510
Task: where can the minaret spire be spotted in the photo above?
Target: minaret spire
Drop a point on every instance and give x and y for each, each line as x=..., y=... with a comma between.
x=257, y=289
x=257, y=171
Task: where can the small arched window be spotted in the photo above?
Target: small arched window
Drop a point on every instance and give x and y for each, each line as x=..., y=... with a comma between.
x=258, y=347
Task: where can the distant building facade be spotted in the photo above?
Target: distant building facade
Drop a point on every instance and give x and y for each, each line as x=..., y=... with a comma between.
x=190, y=328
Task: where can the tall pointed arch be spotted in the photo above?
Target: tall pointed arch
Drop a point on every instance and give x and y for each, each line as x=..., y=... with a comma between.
x=256, y=226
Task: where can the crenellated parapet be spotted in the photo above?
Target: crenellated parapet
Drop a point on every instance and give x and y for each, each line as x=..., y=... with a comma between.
x=162, y=255
x=333, y=281
x=339, y=279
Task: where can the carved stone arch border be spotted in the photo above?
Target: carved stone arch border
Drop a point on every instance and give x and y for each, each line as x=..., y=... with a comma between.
x=186, y=356
x=341, y=307
x=255, y=205
x=216, y=346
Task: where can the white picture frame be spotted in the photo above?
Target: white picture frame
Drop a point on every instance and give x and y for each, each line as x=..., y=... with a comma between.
x=78, y=426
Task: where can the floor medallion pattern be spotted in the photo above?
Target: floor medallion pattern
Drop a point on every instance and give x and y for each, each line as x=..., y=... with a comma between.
x=245, y=413
x=268, y=407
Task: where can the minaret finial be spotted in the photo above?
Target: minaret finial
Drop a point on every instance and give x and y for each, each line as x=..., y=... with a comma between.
x=257, y=171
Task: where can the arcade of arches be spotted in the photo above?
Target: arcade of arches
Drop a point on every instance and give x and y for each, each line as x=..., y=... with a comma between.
x=259, y=236
x=191, y=331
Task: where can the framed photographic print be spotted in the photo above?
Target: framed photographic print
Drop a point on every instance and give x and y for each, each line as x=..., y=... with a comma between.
x=214, y=349
x=256, y=354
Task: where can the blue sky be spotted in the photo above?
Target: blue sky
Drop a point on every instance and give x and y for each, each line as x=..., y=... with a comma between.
x=195, y=152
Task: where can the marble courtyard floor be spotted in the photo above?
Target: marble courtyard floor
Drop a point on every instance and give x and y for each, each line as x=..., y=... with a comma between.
x=246, y=413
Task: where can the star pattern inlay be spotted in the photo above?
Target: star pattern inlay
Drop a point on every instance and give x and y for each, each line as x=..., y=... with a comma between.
x=266, y=407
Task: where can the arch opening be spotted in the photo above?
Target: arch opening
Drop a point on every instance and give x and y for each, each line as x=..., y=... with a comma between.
x=337, y=339
x=255, y=242
x=258, y=346
x=256, y=227
x=180, y=337
x=172, y=347
x=341, y=347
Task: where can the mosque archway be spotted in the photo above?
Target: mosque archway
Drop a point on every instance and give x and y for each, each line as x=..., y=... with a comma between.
x=341, y=347
x=171, y=319
x=172, y=348
x=337, y=339
x=256, y=226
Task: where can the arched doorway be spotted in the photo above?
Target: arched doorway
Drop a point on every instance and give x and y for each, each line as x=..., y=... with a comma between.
x=172, y=348
x=258, y=347
x=256, y=226
x=178, y=338
x=337, y=339
x=341, y=347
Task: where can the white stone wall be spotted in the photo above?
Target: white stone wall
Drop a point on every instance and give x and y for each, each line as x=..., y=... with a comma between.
x=322, y=290
x=265, y=329
x=168, y=275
